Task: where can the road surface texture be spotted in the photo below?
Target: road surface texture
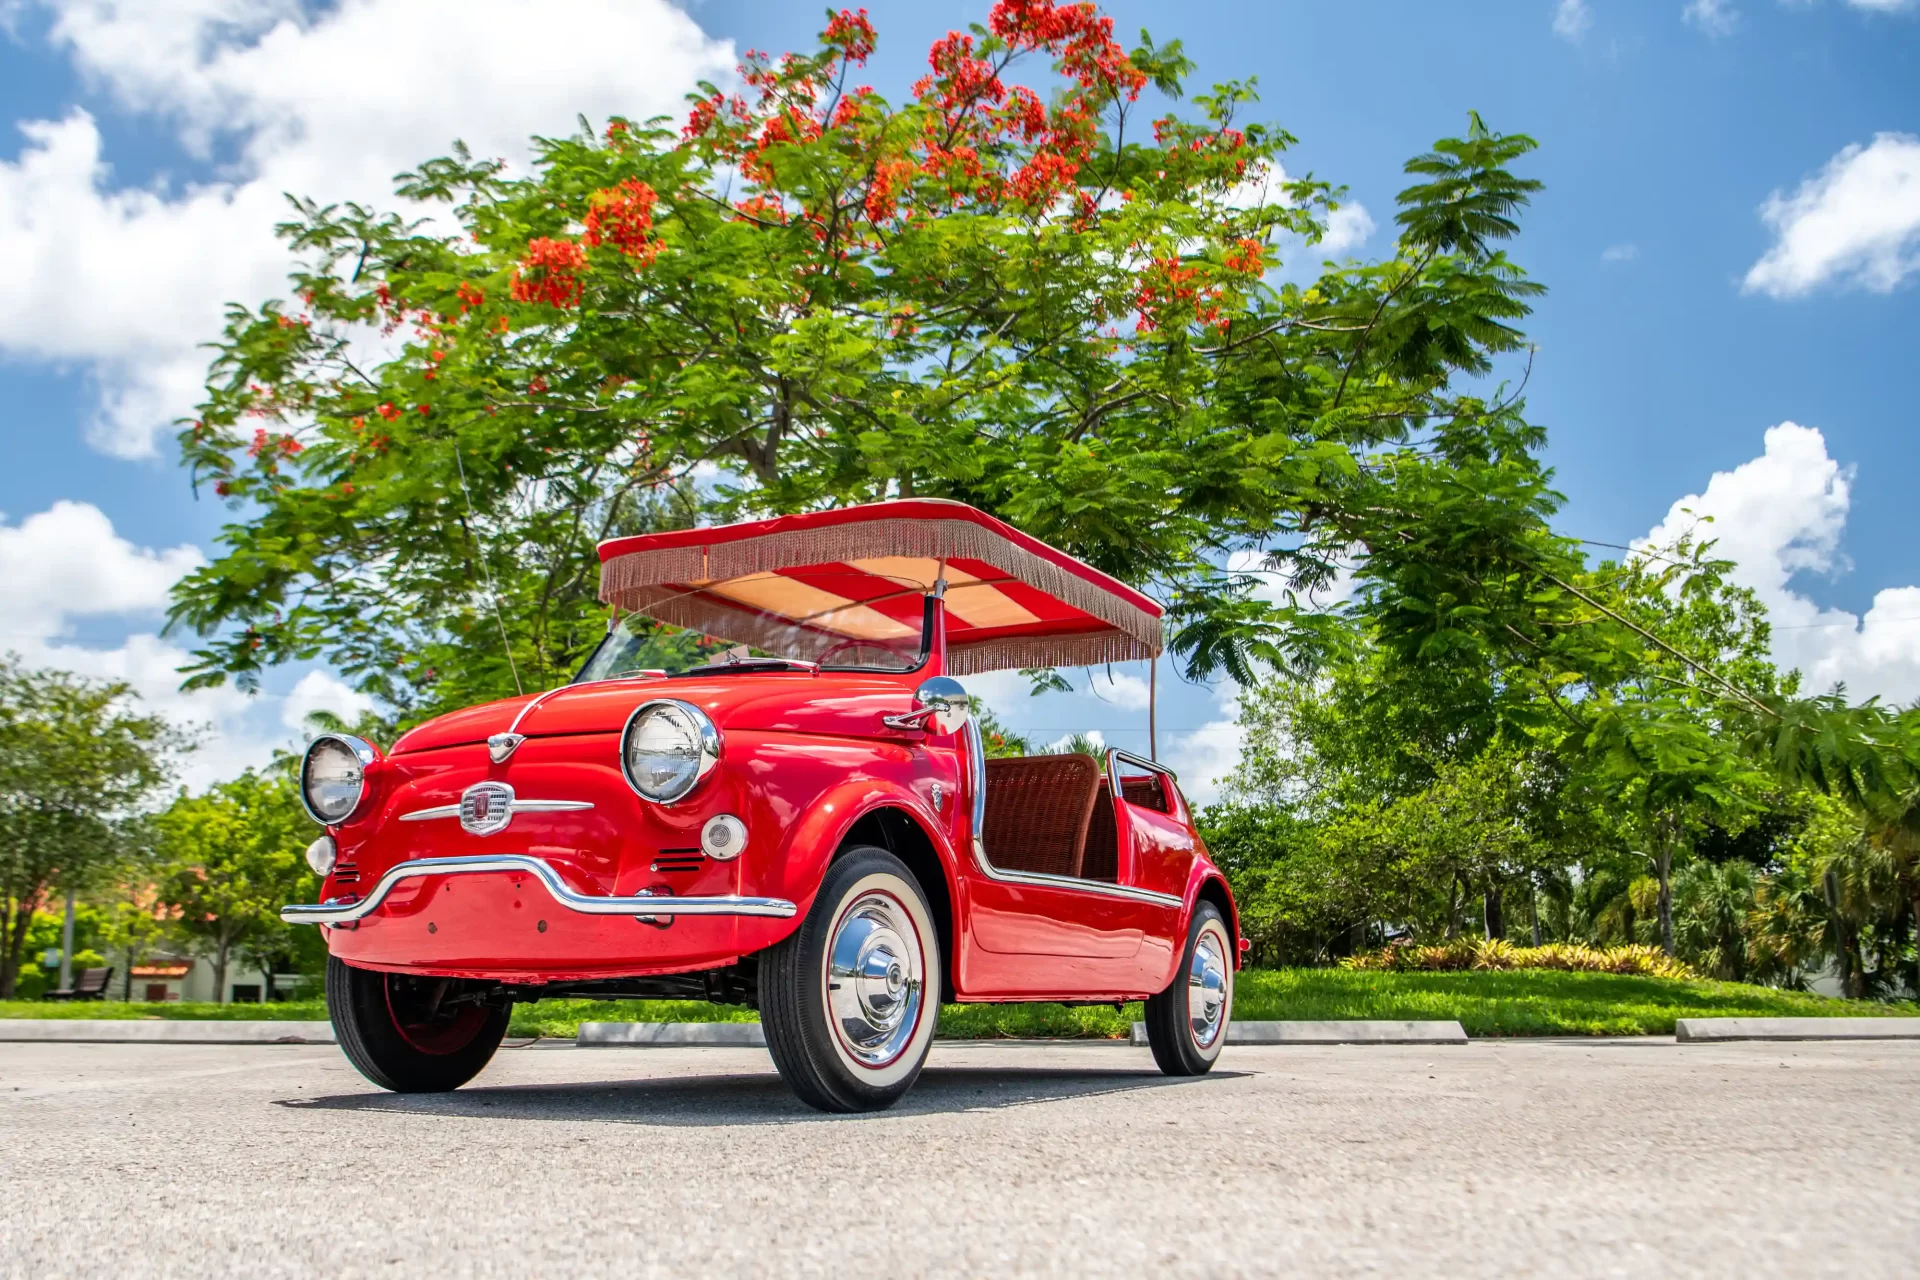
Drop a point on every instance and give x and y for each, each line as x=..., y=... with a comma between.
x=1496, y=1158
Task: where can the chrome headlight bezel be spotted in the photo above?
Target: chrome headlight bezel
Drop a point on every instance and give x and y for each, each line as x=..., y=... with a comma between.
x=704, y=733
x=363, y=753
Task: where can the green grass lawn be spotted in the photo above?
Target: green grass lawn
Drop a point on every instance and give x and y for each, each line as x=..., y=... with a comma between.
x=1528, y=1002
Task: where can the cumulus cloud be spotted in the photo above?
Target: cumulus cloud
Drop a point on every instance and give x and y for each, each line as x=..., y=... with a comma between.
x=1781, y=514
x=1207, y=756
x=1857, y=221
x=329, y=102
x=66, y=567
x=1715, y=17
x=1571, y=19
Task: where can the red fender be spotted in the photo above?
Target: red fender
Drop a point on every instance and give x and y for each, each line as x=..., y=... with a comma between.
x=813, y=840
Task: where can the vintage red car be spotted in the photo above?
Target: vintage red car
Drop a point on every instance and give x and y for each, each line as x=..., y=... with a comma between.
x=805, y=820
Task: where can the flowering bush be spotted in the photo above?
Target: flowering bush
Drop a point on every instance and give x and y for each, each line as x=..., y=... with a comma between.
x=1466, y=953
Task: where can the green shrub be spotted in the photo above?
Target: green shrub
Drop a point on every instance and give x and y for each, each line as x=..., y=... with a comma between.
x=1498, y=953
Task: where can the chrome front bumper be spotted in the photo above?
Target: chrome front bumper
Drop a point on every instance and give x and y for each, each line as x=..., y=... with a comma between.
x=646, y=905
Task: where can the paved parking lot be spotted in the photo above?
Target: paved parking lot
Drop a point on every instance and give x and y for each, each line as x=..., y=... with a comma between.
x=1581, y=1158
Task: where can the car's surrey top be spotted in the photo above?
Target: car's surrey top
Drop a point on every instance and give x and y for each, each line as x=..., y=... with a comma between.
x=801, y=585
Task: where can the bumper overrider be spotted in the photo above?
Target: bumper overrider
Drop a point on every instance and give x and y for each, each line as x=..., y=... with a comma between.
x=646, y=906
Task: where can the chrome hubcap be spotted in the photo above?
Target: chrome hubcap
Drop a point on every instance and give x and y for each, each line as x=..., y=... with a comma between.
x=874, y=979
x=1207, y=989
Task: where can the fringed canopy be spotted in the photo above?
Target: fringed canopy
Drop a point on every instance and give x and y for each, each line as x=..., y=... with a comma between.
x=799, y=586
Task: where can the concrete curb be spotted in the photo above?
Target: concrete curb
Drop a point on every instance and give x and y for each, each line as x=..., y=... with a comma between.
x=1333, y=1032
x=665, y=1035
x=161, y=1031
x=1723, y=1030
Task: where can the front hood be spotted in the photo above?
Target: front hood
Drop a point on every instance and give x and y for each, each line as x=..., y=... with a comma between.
x=839, y=704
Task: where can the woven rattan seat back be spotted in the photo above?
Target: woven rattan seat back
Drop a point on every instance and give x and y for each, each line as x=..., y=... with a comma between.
x=1037, y=812
x=1102, y=859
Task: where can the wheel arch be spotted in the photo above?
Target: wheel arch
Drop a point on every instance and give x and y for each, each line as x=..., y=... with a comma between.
x=901, y=833
x=1213, y=888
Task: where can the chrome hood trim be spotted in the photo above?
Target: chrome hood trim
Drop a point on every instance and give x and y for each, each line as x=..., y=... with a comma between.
x=645, y=905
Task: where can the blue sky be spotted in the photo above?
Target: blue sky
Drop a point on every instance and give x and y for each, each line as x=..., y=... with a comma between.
x=1730, y=232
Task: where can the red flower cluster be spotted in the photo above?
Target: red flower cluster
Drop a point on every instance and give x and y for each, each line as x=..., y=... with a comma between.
x=1083, y=39
x=963, y=79
x=1248, y=257
x=550, y=273
x=852, y=34
x=286, y=446
x=1037, y=181
x=470, y=297
x=388, y=412
x=1168, y=285
x=622, y=217
x=884, y=194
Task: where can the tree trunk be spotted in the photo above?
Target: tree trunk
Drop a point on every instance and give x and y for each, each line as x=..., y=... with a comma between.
x=1914, y=906
x=1663, y=871
x=1491, y=914
x=11, y=953
x=1453, y=908
x=220, y=972
x=66, y=946
x=1533, y=905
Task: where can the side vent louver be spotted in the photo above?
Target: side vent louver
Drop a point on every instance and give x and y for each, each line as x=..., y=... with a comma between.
x=679, y=860
x=346, y=873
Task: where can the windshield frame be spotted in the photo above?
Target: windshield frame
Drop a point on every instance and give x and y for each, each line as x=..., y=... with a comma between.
x=765, y=665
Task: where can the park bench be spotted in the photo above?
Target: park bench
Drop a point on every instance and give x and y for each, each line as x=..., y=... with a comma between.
x=92, y=985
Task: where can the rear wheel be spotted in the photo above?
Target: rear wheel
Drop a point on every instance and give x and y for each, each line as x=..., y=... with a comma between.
x=411, y=1034
x=850, y=999
x=1187, y=1023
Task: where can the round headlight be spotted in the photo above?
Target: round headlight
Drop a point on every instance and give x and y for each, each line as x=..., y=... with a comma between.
x=333, y=777
x=667, y=748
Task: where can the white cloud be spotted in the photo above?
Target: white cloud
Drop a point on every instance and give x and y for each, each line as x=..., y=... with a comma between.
x=1571, y=20
x=1620, y=253
x=67, y=565
x=1715, y=17
x=1094, y=736
x=1207, y=756
x=1781, y=514
x=127, y=282
x=1127, y=692
x=1881, y=6
x=1856, y=221
x=318, y=691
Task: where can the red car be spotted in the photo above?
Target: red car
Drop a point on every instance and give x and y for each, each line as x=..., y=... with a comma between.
x=803, y=818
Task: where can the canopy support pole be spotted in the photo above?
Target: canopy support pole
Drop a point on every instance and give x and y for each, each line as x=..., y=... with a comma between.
x=1153, y=696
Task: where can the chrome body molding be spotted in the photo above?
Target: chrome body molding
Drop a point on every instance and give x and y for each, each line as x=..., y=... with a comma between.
x=643, y=905
x=977, y=760
x=1101, y=888
x=518, y=806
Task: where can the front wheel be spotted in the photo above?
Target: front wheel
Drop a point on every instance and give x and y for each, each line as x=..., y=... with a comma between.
x=1187, y=1023
x=850, y=999
x=413, y=1035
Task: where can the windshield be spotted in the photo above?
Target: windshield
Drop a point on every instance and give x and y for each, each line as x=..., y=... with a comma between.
x=638, y=645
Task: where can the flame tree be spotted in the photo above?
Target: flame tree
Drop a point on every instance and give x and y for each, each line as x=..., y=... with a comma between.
x=1058, y=300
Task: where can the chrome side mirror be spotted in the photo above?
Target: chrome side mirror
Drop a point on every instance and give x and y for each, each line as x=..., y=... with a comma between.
x=947, y=701
x=941, y=706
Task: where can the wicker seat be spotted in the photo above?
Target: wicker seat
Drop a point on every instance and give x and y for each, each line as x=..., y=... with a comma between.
x=1038, y=808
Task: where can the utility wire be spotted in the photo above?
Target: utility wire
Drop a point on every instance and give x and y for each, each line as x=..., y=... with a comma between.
x=493, y=593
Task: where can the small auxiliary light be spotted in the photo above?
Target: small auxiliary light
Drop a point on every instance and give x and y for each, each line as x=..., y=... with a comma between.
x=724, y=837
x=321, y=855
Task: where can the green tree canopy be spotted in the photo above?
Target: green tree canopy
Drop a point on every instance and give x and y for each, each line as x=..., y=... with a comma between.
x=1056, y=300
x=77, y=762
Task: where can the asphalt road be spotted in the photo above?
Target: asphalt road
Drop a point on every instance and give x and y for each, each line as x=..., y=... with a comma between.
x=1515, y=1158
